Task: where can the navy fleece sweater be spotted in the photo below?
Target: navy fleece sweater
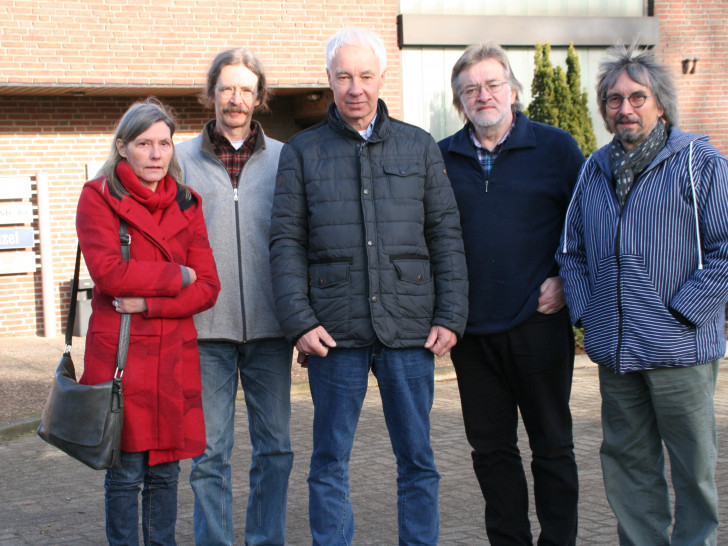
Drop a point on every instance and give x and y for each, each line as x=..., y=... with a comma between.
x=511, y=225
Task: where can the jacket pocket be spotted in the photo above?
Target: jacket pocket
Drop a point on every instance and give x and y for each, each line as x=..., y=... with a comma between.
x=415, y=292
x=191, y=380
x=100, y=361
x=405, y=180
x=651, y=334
x=329, y=294
x=600, y=317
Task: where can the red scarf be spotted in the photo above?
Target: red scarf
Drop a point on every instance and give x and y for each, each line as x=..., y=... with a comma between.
x=155, y=201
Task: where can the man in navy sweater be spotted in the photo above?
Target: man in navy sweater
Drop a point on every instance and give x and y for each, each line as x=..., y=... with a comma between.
x=513, y=179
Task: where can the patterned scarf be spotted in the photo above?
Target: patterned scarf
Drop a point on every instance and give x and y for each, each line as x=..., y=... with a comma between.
x=626, y=166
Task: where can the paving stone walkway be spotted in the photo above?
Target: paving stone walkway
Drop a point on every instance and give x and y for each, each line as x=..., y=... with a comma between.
x=47, y=498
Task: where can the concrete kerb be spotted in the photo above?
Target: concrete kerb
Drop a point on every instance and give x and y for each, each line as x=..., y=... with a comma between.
x=21, y=426
x=447, y=373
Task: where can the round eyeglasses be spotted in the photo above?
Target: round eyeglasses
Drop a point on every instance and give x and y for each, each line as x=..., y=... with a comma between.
x=226, y=93
x=636, y=100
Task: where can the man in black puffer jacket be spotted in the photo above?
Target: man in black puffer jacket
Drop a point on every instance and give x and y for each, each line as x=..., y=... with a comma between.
x=368, y=272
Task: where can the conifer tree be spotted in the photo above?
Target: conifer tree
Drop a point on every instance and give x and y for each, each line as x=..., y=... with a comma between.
x=583, y=123
x=542, y=107
x=563, y=103
x=558, y=99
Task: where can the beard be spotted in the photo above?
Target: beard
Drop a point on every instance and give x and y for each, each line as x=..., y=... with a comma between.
x=630, y=135
x=485, y=119
x=486, y=123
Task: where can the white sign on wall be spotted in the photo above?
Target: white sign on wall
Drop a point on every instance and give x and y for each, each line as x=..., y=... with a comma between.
x=16, y=212
x=13, y=211
x=17, y=262
x=15, y=187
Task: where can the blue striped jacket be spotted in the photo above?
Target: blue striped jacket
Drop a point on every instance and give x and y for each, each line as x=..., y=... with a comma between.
x=649, y=283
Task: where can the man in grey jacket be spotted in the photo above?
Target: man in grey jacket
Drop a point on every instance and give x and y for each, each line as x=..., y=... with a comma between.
x=232, y=165
x=368, y=273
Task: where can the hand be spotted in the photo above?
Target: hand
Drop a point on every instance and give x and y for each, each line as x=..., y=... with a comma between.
x=193, y=274
x=551, y=299
x=315, y=342
x=130, y=305
x=440, y=340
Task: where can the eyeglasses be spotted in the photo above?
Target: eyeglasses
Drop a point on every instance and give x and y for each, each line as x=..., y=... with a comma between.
x=226, y=93
x=636, y=100
x=472, y=91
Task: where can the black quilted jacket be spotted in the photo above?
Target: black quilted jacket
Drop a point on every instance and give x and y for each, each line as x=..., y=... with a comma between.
x=365, y=236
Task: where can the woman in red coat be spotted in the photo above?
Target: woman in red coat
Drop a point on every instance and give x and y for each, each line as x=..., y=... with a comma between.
x=169, y=277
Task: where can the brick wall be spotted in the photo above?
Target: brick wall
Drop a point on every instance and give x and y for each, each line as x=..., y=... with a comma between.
x=140, y=43
x=690, y=29
x=108, y=43
x=60, y=136
x=100, y=43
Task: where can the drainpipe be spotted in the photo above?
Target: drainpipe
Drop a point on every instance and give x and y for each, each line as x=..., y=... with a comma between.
x=46, y=257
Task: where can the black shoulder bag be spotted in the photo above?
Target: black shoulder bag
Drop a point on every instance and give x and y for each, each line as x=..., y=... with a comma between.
x=85, y=421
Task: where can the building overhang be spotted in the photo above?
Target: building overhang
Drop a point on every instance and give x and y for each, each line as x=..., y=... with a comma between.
x=82, y=90
x=416, y=30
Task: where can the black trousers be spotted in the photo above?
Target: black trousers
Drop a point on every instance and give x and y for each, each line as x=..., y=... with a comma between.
x=528, y=368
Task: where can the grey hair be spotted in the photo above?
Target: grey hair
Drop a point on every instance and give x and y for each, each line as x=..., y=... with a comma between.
x=357, y=37
x=138, y=118
x=472, y=56
x=237, y=56
x=643, y=68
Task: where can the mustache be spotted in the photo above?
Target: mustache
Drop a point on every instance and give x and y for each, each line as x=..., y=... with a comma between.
x=235, y=109
x=636, y=120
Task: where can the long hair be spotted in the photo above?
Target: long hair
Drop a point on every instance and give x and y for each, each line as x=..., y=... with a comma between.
x=237, y=56
x=472, y=56
x=643, y=68
x=356, y=37
x=138, y=118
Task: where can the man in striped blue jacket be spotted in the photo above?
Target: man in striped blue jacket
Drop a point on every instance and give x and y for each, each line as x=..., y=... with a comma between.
x=644, y=259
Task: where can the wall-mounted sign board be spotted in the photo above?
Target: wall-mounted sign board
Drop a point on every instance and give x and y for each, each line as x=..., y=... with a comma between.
x=15, y=187
x=17, y=262
x=16, y=212
x=16, y=237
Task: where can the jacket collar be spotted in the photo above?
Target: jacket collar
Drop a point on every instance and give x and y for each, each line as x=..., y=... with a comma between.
x=206, y=145
x=382, y=129
x=522, y=136
x=174, y=219
x=676, y=142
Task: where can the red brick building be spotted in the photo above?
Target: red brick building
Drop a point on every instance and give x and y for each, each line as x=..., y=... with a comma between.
x=69, y=69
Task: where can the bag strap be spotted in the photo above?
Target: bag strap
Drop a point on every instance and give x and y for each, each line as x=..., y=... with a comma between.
x=125, y=324
x=71, y=317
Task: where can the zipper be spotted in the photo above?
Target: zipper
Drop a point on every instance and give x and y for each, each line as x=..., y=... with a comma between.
x=620, y=314
x=240, y=259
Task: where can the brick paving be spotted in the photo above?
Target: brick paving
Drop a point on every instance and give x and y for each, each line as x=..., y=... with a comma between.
x=47, y=498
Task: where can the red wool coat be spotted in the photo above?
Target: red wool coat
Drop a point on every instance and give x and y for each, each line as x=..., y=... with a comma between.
x=161, y=381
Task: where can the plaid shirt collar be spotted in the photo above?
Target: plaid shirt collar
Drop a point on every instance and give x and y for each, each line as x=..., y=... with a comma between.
x=234, y=160
x=485, y=156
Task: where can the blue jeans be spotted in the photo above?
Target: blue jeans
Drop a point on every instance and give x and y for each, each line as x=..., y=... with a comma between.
x=159, y=501
x=640, y=411
x=265, y=374
x=338, y=387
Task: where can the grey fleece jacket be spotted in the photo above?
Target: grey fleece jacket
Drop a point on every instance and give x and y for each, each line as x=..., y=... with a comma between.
x=238, y=225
